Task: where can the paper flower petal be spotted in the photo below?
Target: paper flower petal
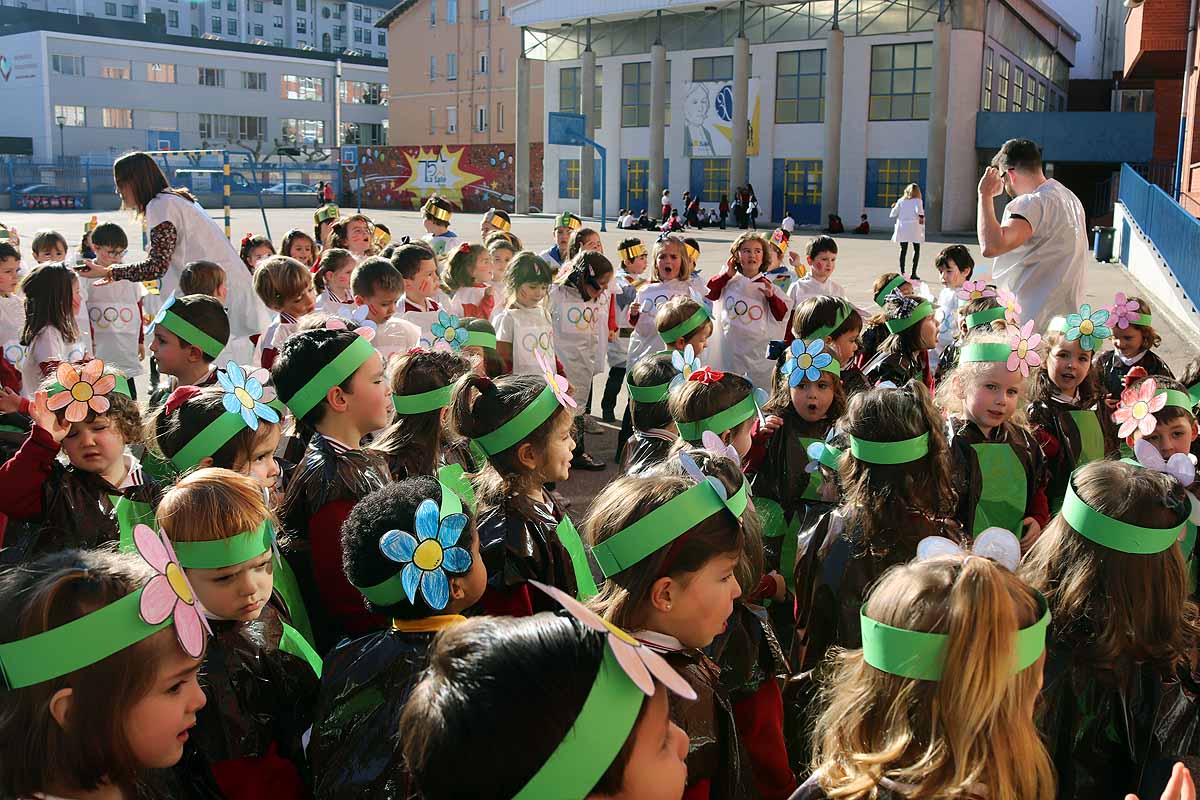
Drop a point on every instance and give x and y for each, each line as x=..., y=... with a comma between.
x=1000, y=545
x=577, y=609
x=427, y=520
x=398, y=546
x=410, y=579
x=631, y=661
x=190, y=628
x=451, y=529
x=150, y=547
x=456, y=559
x=666, y=674
x=436, y=589
x=158, y=600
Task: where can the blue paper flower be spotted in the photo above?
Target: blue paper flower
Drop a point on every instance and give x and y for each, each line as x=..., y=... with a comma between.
x=428, y=555
x=685, y=363
x=243, y=395
x=805, y=363
x=162, y=313
x=448, y=329
x=1089, y=327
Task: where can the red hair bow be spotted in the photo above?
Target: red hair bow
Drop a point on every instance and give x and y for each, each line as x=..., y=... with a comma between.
x=1137, y=373
x=415, y=350
x=180, y=396
x=706, y=375
x=246, y=239
x=465, y=247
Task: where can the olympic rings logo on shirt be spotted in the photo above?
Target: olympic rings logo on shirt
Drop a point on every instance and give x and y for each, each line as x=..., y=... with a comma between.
x=536, y=342
x=652, y=304
x=14, y=353
x=581, y=318
x=741, y=308
x=108, y=316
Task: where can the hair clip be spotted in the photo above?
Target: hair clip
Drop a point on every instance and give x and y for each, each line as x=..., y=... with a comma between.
x=998, y=544
x=465, y=247
x=246, y=239
x=706, y=375
x=180, y=396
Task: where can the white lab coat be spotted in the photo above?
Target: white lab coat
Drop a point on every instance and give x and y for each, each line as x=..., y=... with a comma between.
x=908, y=213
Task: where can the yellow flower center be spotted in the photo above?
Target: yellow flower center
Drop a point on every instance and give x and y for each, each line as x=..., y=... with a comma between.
x=804, y=361
x=687, y=371
x=1087, y=327
x=976, y=294
x=82, y=391
x=448, y=334
x=179, y=583
x=428, y=555
x=1022, y=349
x=1140, y=409
x=243, y=397
x=620, y=634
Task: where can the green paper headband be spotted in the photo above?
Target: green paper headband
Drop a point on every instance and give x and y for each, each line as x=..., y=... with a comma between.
x=1194, y=393
x=221, y=553
x=595, y=738
x=648, y=394
x=122, y=386
x=891, y=286
x=985, y=353
x=919, y=313
x=839, y=319
x=720, y=422
x=481, y=339
x=329, y=376
x=900, y=452
x=391, y=591
x=190, y=334
x=425, y=401
x=1112, y=533
x=664, y=525
x=523, y=424
x=208, y=441
x=830, y=456
x=986, y=316
x=1179, y=399
x=922, y=656
x=690, y=324
x=1141, y=319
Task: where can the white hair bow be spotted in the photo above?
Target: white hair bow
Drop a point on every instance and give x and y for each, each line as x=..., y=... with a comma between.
x=713, y=444
x=1180, y=466
x=998, y=544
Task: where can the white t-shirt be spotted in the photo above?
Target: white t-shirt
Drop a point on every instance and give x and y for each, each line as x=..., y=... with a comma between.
x=1046, y=273
x=116, y=321
x=806, y=287
x=47, y=345
x=12, y=318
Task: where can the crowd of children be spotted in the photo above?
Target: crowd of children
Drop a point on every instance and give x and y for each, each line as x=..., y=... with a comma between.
x=921, y=551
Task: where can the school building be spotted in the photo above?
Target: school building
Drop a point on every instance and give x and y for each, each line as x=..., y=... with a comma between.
x=846, y=101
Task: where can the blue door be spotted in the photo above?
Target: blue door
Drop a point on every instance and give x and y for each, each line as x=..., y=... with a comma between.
x=796, y=188
x=635, y=177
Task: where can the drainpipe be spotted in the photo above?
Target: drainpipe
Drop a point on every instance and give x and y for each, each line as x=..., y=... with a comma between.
x=1183, y=109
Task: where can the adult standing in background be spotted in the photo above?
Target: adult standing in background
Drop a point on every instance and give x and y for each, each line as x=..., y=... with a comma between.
x=1040, y=245
x=909, y=213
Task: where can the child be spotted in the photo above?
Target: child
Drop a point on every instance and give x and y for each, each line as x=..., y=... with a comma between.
x=286, y=287
x=323, y=219
x=255, y=247
x=50, y=247
x=467, y=275
x=626, y=282
x=654, y=431
x=501, y=247
x=982, y=313
x=751, y=310
x=436, y=214
x=50, y=335
x=523, y=426
x=418, y=441
x=366, y=681
x=494, y=219
x=354, y=233
x=821, y=257
x=583, y=239
x=1120, y=664
x=1170, y=424
x=670, y=277
x=1133, y=335
x=780, y=261
x=333, y=383
x=203, y=277
x=999, y=469
x=260, y=675
x=486, y=674
x=523, y=327
x=955, y=265
x=75, y=505
x=331, y=277
x=112, y=672
x=681, y=323
x=115, y=308
x=956, y=664
x=579, y=309
x=186, y=336
x=668, y=548
x=564, y=224
x=377, y=286
x=838, y=323
x=299, y=245
x=904, y=355
x=717, y=402
x=1064, y=411
x=480, y=348
x=875, y=328
x=12, y=304
x=864, y=225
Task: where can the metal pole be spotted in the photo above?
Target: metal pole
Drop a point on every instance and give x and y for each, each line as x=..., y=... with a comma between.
x=225, y=192
x=1188, y=66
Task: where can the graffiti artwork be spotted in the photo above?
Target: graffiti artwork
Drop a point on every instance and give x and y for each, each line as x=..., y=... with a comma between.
x=472, y=177
x=51, y=202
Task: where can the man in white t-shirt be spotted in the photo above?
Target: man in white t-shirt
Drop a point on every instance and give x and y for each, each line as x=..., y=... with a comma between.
x=1040, y=246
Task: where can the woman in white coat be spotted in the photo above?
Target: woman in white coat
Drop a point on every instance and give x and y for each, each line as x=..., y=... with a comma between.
x=909, y=213
x=181, y=231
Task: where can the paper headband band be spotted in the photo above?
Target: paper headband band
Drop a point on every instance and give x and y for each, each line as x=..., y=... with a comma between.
x=922, y=656
x=698, y=318
x=901, y=452
x=648, y=394
x=523, y=424
x=1112, y=533
x=484, y=339
x=221, y=553
x=895, y=283
x=634, y=251
x=425, y=556
x=497, y=221
x=330, y=375
x=326, y=213
x=243, y=409
x=988, y=315
x=665, y=524
x=843, y=313
x=1194, y=394
x=984, y=353
x=1179, y=399
x=185, y=330
x=808, y=361
x=720, y=422
x=919, y=313
x=568, y=220
x=431, y=209
x=424, y=401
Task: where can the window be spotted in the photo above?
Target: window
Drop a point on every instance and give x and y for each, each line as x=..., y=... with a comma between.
x=114, y=70
x=598, y=96
x=258, y=30
x=1002, y=87
x=451, y=12
x=216, y=24
x=367, y=133
x=1018, y=90
x=160, y=73
x=381, y=39
x=67, y=65
x=258, y=7
x=366, y=15
x=301, y=87
x=72, y=116
x=128, y=12
x=483, y=63
x=302, y=5
x=110, y=9
x=231, y=127
x=231, y=27
x=635, y=95
x=117, y=117
x=499, y=116
x=231, y=5
x=337, y=12
x=800, y=86
x=365, y=93
x=452, y=66
x=358, y=13
x=173, y=18
x=484, y=11
x=304, y=131
x=500, y=60
x=277, y=42
x=254, y=81
x=432, y=120
x=339, y=32
x=216, y=4
x=900, y=81
x=568, y=90
x=358, y=35
x=301, y=26
x=986, y=102
x=481, y=118
x=568, y=178
x=433, y=14
x=1030, y=93
x=432, y=67
x=277, y=22
x=1041, y=97
x=210, y=76
x=451, y=119
x=887, y=177
x=715, y=68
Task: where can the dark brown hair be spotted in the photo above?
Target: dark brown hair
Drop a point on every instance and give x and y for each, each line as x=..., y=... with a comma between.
x=49, y=302
x=575, y=243
x=821, y=312
x=331, y=260
x=460, y=264
x=145, y=178
x=652, y=371
x=693, y=400
x=961, y=257
x=675, y=311
x=250, y=243
x=293, y=236
x=168, y=432
x=207, y=314
x=375, y=274
x=415, y=440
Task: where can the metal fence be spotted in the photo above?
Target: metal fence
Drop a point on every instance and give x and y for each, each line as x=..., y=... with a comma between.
x=1173, y=231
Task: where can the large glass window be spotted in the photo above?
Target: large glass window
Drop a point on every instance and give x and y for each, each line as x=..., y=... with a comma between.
x=800, y=86
x=887, y=177
x=232, y=127
x=303, y=131
x=986, y=101
x=254, y=81
x=901, y=75
x=117, y=117
x=367, y=133
x=451, y=11
x=1002, y=87
x=635, y=95
x=714, y=177
x=210, y=76
x=72, y=116
x=301, y=87
x=712, y=68
x=1018, y=90
x=67, y=65
x=116, y=70
x=365, y=93
x=568, y=90
x=160, y=73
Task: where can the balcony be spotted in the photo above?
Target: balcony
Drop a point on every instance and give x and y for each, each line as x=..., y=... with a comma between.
x=1156, y=40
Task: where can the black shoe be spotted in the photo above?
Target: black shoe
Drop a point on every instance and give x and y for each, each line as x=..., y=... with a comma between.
x=915, y=276
x=609, y=416
x=587, y=463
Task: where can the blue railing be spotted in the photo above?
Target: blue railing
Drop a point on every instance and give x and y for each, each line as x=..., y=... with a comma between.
x=1173, y=231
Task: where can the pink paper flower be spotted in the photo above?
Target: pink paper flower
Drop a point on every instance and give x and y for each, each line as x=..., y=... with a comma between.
x=168, y=593
x=640, y=663
x=1012, y=308
x=83, y=390
x=1136, y=411
x=336, y=324
x=1024, y=350
x=973, y=290
x=1124, y=311
x=557, y=382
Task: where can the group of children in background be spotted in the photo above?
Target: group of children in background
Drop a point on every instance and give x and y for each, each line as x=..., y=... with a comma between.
x=919, y=551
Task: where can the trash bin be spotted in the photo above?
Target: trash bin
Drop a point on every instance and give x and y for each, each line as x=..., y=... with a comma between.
x=1102, y=243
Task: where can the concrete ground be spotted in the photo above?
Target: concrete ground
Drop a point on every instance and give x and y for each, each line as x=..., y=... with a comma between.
x=860, y=260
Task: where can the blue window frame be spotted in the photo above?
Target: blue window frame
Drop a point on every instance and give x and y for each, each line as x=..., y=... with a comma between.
x=887, y=177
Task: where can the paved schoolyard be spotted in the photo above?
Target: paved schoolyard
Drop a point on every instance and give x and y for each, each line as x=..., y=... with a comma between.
x=860, y=260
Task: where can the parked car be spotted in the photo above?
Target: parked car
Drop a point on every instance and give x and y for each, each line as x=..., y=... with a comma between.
x=292, y=188
x=46, y=188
